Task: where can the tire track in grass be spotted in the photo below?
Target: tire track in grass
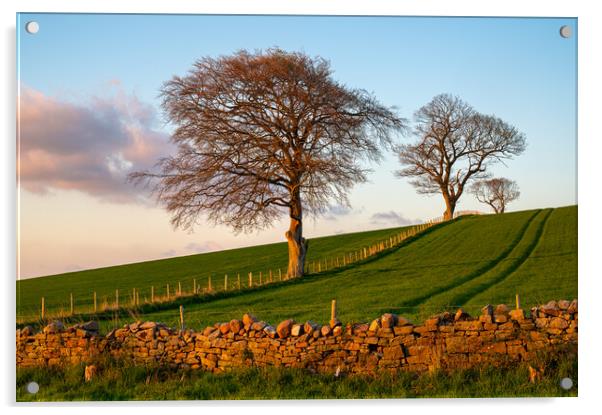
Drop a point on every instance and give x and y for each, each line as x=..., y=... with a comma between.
x=417, y=301
x=512, y=268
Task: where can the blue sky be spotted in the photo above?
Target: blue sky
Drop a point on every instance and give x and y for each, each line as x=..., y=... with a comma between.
x=519, y=69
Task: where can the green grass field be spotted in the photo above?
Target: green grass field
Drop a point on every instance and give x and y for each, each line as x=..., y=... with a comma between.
x=468, y=262
x=119, y=380
x=56, y=289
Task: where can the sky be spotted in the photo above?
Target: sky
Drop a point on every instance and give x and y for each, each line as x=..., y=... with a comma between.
x=89, y=114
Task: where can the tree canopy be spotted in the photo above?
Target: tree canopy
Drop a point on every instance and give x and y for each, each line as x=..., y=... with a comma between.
x=455, y=144
x=264, y=134
x=496, y=192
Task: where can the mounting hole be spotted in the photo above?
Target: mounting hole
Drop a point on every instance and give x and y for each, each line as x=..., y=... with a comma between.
x=32, y=27
x=33, y=387
x=566, y=31
x=566, y=383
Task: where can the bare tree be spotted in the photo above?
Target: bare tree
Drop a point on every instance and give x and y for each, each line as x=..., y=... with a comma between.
x=263, y=134
x=496, y=192
x=455, y=144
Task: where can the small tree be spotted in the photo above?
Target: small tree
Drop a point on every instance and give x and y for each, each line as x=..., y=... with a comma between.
x=262, y=134
x=455, y=144
x=496, y=192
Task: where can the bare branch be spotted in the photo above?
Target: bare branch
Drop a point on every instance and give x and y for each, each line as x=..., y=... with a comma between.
x=262, y=134
x=496, y=192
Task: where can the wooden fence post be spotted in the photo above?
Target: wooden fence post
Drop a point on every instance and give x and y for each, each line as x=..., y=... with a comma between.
x=209, y=288
x=167, y=289
x=181, y=317
x=270, y=275
x=194, y=286
x=333, y=310
x=95, y=302
x=260, y=278
x=152, y=293
x=137, y=298
x=250, y=279
x=279, y=274
x=226, y=282
x=179, y=288
x=238, y=284
x=71, y=301
x=117, y=299
x=43, y=309
x=517, y=302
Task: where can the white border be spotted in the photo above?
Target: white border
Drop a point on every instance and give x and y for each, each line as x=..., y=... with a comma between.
x=590, y=29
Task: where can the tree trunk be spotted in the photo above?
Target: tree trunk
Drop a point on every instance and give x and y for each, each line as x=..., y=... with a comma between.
x=450, y=207
x=497, y=210
x=297, y=245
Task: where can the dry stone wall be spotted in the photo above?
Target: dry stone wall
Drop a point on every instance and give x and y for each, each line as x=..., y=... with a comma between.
x=389, y=343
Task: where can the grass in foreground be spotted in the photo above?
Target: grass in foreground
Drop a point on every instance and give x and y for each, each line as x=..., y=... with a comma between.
x=120, y=381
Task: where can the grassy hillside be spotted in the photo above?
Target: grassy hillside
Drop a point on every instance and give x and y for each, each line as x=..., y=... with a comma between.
x=550, y=267
x=468, y=262
x=56, y=289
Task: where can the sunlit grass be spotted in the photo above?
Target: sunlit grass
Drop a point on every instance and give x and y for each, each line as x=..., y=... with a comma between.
x=469, y=262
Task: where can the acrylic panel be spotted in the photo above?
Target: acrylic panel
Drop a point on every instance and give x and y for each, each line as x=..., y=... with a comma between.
x=288, y=206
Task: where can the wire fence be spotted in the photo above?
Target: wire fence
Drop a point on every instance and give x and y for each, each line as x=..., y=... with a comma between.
x=197, y=318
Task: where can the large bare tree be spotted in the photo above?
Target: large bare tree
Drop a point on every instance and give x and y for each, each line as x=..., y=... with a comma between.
x=496, y=192
x=262, y=134
x=455, y=145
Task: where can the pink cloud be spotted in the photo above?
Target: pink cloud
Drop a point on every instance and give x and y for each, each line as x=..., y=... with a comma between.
x=89, y=148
